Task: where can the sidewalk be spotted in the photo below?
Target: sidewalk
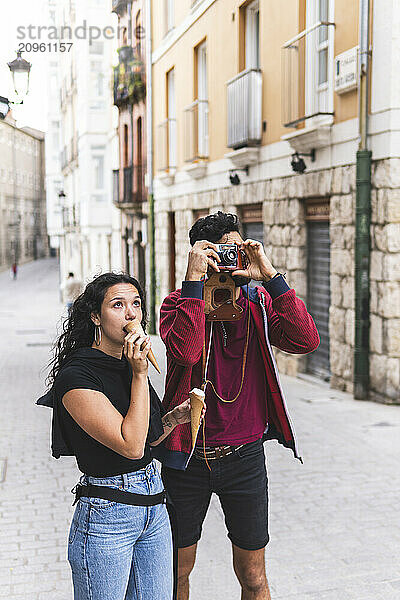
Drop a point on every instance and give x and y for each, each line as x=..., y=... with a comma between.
x=335, y=531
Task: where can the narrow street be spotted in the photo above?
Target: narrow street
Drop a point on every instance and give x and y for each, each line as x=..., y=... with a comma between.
x=334, y=524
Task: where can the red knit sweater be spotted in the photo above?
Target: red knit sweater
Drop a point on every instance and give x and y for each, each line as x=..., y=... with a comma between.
x=281, y=320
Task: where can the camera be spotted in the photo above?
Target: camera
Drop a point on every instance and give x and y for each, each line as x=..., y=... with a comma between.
x=232, y=257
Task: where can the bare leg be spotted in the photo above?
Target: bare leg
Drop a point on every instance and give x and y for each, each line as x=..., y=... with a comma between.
x=186, y=560
x=249, y=566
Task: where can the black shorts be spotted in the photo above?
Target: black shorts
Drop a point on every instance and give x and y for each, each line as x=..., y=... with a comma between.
x=239, y=480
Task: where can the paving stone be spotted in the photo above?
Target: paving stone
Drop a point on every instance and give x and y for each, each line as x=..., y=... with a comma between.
x=335, y=532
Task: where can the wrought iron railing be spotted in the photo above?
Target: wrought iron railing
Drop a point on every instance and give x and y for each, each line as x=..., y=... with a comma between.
x=306, y=85
x=129, y=78
x=166, y=145
x=116, y=186
x=244, y=93
x=133, y=190
x=196, y=130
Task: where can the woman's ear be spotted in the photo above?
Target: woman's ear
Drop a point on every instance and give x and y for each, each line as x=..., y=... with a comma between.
x=95, y=318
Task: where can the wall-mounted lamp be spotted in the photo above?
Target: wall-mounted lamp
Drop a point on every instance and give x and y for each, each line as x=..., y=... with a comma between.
x=234, y=177
x=297, y=163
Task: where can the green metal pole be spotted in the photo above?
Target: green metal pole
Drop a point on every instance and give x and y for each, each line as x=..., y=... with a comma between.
x=362, y=278
x=152, y=314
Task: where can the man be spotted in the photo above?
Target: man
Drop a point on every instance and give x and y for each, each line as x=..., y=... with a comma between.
x=71, y=288
x=244, y=399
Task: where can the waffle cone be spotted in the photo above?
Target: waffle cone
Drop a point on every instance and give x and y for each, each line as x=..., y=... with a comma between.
x=136, y=326
x=196, y=406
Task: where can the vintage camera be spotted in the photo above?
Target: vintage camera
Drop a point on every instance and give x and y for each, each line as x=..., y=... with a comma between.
x=232, y=257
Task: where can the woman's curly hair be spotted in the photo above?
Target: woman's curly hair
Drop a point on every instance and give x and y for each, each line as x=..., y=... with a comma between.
x=78, y=327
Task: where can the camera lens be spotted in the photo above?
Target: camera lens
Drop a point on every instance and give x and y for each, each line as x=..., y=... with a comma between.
x=229, y=256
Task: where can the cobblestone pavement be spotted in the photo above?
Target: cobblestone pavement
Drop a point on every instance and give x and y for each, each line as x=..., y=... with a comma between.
x=335, y=531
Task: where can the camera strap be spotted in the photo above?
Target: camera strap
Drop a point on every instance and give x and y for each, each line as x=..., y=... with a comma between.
x=206, y=358
x=205, y=361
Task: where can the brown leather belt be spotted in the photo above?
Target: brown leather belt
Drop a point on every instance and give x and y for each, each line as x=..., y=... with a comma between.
x=216, y=452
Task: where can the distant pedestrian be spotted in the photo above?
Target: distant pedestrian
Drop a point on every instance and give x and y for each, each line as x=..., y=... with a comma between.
x=106, y=413
x=71, y=288
x=14, y=270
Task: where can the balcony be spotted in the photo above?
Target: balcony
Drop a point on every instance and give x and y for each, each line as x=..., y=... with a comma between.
x=307, y=77
x=244, y=94
x=129, y=78
x=133, y=191
x=116, y=186
x=166, y=150
x=196, y=131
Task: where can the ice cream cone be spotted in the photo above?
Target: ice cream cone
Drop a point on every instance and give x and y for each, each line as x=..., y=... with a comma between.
x=136, y=326
x=196, y=406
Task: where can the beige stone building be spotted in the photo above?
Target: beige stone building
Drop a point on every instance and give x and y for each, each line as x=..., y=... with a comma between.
x=23, y=234
x=238, y=89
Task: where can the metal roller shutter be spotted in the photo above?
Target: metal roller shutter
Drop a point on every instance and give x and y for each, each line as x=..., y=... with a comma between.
x=318, y=274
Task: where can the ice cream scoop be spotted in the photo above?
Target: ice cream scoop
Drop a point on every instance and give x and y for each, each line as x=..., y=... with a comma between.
x=196, y=406
x=135, y=326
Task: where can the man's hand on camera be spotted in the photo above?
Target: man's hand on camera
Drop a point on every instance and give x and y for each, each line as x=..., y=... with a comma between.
x=202, y=255
x=259, y=267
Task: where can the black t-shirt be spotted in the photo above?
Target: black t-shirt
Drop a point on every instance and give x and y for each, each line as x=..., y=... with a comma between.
x=92, y=369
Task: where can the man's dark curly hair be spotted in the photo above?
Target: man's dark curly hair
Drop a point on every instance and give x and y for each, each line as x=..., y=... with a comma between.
x=78, y=328
x=213, y=227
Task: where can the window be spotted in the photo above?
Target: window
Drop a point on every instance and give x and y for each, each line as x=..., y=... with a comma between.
x=171, y=118
x=319, y=59
x=322, y=43
x=96, y=48
x=252, y=36
x=98, y=167
x=169, y=16
x=126, y=147
x=138, y=33
x=202, y=97
x=55, y=126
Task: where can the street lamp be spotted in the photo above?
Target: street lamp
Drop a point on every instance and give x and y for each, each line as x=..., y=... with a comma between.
x=20, y=69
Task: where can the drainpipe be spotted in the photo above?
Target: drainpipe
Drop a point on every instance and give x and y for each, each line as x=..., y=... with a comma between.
x=363, y=216
x=149, y=122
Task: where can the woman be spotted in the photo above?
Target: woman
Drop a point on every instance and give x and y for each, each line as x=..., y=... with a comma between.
x=109, y=416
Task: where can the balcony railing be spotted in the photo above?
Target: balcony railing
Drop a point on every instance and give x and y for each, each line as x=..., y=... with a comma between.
x=244, y=93
x=116, y=186
x=133, y=190
x=166, y=145
x=306, y=80
x=196, y=131
x=129, y=78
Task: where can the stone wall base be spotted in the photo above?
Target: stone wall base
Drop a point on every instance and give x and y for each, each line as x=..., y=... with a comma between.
x=283, y=204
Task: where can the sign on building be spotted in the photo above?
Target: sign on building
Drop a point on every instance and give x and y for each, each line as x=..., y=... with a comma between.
x=346, y=71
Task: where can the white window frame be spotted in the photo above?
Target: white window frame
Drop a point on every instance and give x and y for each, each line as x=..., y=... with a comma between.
x=252, y=35
x=319, y=97
x=202, y=97
x=171, y=119
x=169, y=16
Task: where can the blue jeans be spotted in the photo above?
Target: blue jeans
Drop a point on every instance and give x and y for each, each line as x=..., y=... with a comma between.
x=118, y=551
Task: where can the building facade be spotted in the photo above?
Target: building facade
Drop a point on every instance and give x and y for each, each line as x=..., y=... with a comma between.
x=23, y=234
x=130, y=192
x=54, y=181
x=256, y=111
x=90, y=240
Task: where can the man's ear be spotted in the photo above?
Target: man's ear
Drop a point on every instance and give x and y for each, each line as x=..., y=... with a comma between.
x=95, y=318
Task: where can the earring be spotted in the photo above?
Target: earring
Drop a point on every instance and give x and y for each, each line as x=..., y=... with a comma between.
x=97, y=335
